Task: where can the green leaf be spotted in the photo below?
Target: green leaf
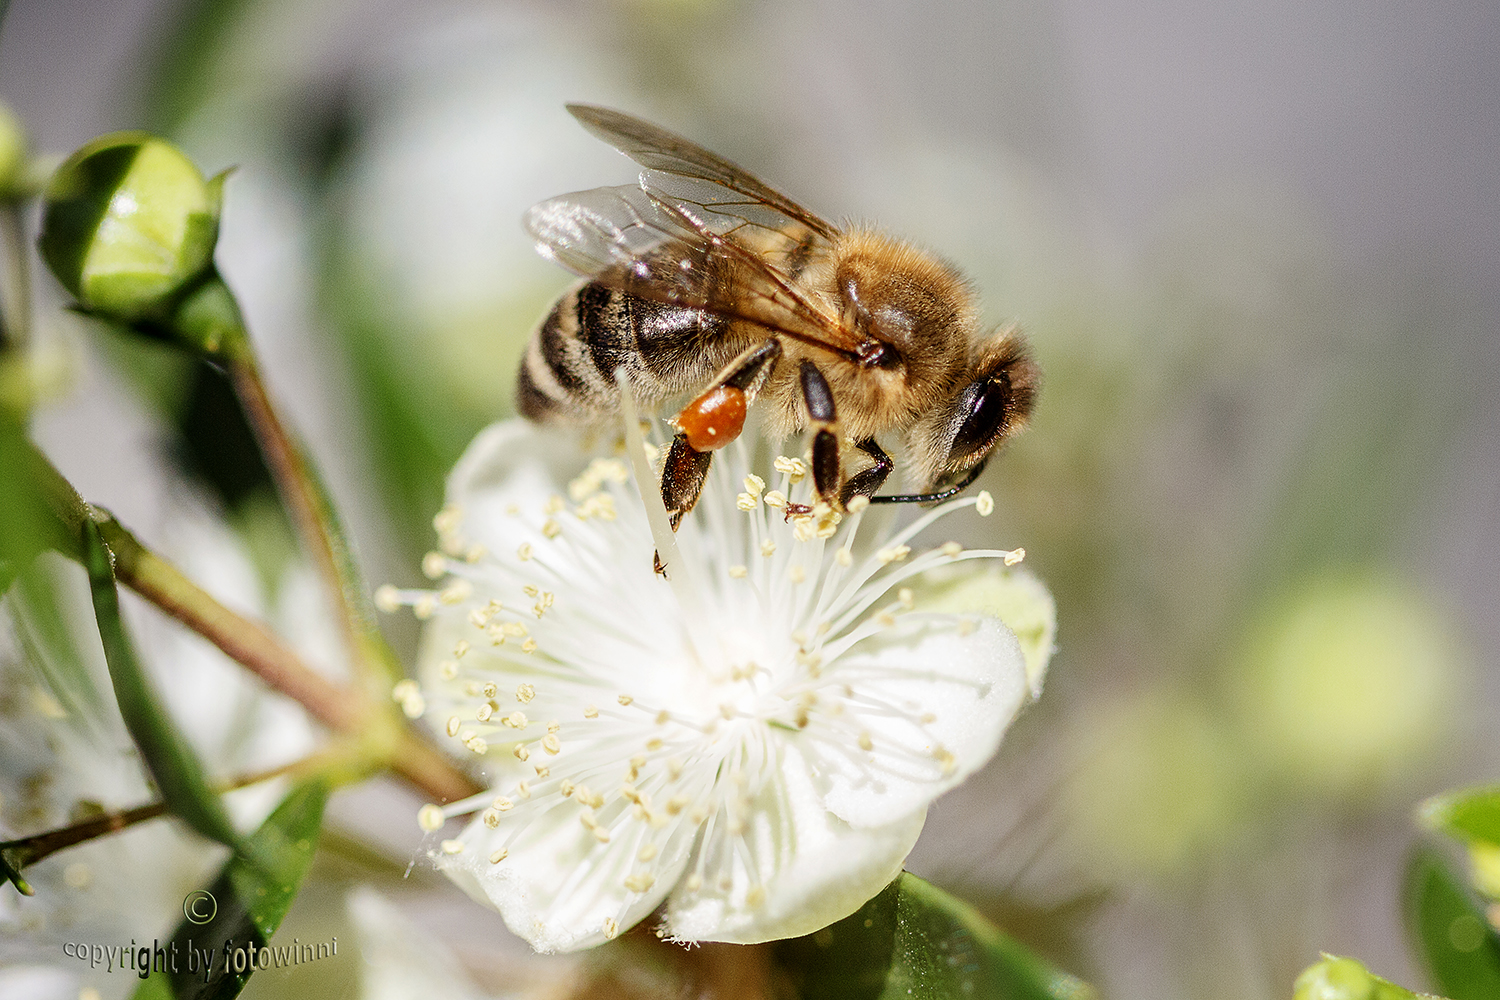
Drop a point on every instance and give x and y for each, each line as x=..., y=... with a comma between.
x=1449, y=929
x=1467, y=815
x=167, y=755
x=247, y=902
x=916, y=942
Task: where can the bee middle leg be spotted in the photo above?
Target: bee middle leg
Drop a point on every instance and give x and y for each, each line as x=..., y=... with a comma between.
x=712, y=420
x=822, y=419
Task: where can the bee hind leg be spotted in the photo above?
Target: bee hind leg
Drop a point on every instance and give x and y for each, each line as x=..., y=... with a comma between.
x=710, y=422
x=682, y=478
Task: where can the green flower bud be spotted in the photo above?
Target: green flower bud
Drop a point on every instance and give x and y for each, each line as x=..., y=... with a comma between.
x=129, y=224
x=1345, y=979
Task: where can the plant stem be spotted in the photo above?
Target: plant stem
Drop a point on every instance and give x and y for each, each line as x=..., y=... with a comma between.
x=29, y=850
x=247, y=642
x=317, y=523
x=15, y=330
x=342, y=709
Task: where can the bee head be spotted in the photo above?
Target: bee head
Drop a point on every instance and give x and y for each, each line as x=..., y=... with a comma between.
x=991, y=405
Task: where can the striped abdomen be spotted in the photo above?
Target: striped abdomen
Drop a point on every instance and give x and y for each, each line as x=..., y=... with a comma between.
x=568, y=371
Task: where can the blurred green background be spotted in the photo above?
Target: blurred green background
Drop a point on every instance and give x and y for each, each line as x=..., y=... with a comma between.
x=1254, y=249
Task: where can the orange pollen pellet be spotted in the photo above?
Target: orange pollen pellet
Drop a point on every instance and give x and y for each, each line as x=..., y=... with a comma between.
x=713, y=419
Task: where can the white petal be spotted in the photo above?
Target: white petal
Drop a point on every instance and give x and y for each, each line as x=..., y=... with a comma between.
x=813, y=868
x=968, y=688
x=509, y=463
x=558, y=885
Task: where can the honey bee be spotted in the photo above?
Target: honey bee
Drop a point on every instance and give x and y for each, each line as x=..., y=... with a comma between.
x=702, y=279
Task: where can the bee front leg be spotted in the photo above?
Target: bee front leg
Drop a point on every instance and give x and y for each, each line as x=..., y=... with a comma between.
x=823, y=421
x=710, y=422
x=865, y=482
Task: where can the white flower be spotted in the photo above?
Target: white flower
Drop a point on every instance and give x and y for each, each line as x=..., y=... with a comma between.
x=754, y=740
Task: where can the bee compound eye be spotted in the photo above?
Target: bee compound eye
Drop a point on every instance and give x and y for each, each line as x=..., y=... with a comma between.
x=984, y=405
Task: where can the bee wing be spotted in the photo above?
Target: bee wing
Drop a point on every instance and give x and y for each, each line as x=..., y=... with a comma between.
x=666, y=153
x=680, y=252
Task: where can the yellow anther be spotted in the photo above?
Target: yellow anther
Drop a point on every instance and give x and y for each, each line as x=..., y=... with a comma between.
x=453, y=846
x=477, y=744
x=550, y=528
x=430, y=818
x=525, y=693
x=895, y=553
x=424, y=607
x=460, y=648
x=485, y=711
x=755, y=897
x=1014, y=556
x=387, y=599
x=460, y=591
x=842, y=557
x=796, y=574
x=447, y=520
x=529, y=646
x=738, y=572
x=453, y=724
x=952, y=549
x=434, y=565
x=625, y=699
x=610, y=928
x=640, y=882
x=865, y=743
x=520, y=752
x=776, y=498
x=646, y=853
x=984, y=504
x=663, y=717
x=768, y=548
x=754, y=484
x=502, y=804
x=491, y=818
x=907, y=597
x=857, y=504
x=551, y=744
x=523, y=552
x=746, y=501
x=523, y=789
x=591, y=712
x=499, y=856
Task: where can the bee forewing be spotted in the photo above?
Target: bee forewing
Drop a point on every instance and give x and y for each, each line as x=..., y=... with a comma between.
x=667, y=153
x=588, y=232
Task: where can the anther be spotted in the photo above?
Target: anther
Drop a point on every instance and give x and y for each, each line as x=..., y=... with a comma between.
x=460, y=648
x=591, y=712
x=550, y=528
x=865, y=743
x=551, y=744
x=453, y=724
x=387, y=599
x=640, y=882
x=776, y=498
x=663, y=717
x=610, y=928
x=491, y=818
x=746, y=501
x=984, y=504
x=647, y=853
x=857, y=504
x=521, y=753
x=907, y=598
x=523, y=553
x=952, y=549
x=453, y=846
x=460, y=591
x=625, y=700
x=796, y=574
x=525, y=693
x=516, y=720
x=529, y=646
x=430, y=817
x=738, y=572
x=499, y=856
x=754, y=484
x=502, y=804
x=1014, y=556
x=895, y=553
x=434, y=565
x=768, y=548
x=448, y=670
